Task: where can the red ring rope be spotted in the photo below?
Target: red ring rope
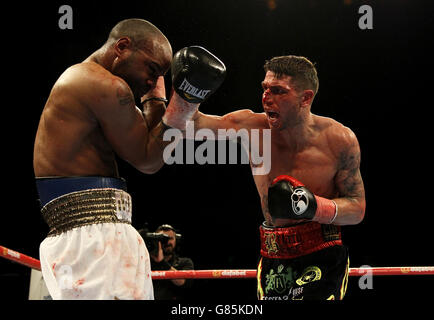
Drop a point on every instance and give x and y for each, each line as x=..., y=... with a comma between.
x=228, y=274
x=20, y=258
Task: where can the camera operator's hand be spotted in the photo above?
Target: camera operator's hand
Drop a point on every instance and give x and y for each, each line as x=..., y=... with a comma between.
x=160, y=256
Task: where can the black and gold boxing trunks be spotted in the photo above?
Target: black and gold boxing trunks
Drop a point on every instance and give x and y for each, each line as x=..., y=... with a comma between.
x=71, y=202
x=303, y=262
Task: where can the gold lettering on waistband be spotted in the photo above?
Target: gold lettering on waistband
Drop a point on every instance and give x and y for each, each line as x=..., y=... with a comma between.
x=270, y=243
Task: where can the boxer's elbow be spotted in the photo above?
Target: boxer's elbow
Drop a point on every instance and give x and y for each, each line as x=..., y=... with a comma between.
x=151, y=161
x=350, y=212
x=359, y=212
x=151, y=168
x=147, y=164
x=358, y=218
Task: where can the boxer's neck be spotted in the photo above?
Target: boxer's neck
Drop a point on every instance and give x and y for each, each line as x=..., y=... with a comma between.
x=104, y=56
x=295, y=135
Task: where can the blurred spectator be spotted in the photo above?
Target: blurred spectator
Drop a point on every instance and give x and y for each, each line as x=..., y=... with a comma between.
x=166, y=257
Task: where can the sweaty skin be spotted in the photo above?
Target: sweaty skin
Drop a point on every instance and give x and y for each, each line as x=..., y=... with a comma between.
x=90, y=115
x=318, y=151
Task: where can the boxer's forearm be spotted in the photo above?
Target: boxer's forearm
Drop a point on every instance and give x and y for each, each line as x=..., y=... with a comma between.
x=155, y=149
x=207, y=121
x=153, y=111
x=348, y=180
x=350, y=211
x=289, y=198
x=239, y=119
x=154, y=104
x=152, y=159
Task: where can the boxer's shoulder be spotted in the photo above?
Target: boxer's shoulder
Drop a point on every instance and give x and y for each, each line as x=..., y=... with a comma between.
x=339, y=137
x=94, y=85
x=89, y=75
x=332, y=128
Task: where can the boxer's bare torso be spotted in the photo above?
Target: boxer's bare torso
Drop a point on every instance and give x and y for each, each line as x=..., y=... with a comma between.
x=90, y=116
x=316, y=160
x=70, y=140
x=318, y=151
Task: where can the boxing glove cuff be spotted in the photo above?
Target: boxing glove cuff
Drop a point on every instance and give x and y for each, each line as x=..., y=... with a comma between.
x=178, y=112
x=326, y=211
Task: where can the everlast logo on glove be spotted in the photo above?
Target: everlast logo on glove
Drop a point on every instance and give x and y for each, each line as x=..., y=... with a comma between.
x=196, y=65
x=189, y=90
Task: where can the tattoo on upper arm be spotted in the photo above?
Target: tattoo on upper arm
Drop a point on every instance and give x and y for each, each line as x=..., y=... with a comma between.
x=349, y=179
x=124, y=96
x=264, y=204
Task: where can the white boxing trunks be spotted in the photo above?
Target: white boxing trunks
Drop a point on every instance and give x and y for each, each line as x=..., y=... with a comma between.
x=92, y=251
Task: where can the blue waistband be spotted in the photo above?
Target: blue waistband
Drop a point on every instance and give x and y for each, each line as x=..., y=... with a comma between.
x=53, y=187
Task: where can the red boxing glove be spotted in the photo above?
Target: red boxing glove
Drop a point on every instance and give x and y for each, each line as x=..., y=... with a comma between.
x=288, y=198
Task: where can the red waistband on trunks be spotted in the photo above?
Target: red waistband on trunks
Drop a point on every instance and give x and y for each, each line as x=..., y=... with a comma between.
x=299, y=240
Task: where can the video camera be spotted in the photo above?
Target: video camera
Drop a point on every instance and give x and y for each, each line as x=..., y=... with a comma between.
x=152, y=238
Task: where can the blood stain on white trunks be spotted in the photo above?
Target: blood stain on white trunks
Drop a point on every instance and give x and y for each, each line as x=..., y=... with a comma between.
x=53, y=266
x=98, y=252
x=129, y=262
x=130, y=285
x=137, y=295
x=75, y=287
x=115, y=245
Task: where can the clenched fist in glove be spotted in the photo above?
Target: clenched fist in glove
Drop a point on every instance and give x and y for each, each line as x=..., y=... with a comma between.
x=196, y=74
x=288, y=198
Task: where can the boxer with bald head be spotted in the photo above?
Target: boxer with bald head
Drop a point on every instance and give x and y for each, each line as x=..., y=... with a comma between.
x=314, y=185
x=90, y=117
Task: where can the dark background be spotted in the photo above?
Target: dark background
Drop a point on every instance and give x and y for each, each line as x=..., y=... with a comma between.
x=377, y=82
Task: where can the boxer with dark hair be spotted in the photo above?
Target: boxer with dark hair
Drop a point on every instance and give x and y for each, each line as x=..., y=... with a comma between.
x=92, y=251
x=314, y=185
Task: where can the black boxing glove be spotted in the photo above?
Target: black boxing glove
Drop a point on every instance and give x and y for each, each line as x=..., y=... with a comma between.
x=196, y=74
x=288, y=198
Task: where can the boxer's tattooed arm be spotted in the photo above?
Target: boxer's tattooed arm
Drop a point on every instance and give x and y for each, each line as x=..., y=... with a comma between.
x=157, y=133
x=153, y=112
x=159, y=130
x=146, y=122
x=124, y=96
x=348, y=179
x=265, y=211
x=264, y=203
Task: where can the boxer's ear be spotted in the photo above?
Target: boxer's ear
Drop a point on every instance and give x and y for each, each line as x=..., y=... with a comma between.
x=307, y=98
x=122, y=45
